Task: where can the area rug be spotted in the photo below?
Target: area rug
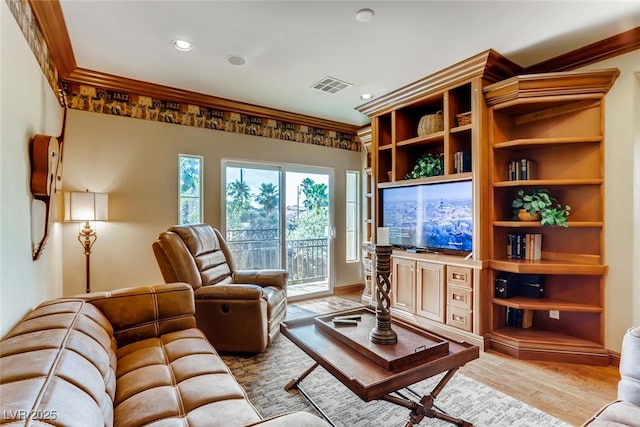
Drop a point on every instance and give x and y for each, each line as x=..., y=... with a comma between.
x=295, y=311
x=264, y=376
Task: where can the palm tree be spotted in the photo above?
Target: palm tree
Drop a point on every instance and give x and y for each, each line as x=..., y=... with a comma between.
x=316, y=196
x=238, y=201
x=268, y=197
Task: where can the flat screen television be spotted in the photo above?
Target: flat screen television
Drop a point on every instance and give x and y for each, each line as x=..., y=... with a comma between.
x=435, y=217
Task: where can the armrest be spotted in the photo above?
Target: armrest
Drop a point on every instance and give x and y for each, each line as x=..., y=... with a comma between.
x=230, y=292
x=146, y=312
x=300, y=419
x=266, y=277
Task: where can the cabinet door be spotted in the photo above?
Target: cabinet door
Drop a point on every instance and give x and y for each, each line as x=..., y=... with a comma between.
x=403, y=284
x=431, y=290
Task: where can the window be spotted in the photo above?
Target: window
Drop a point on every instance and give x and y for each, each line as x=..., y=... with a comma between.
x=189, y=189
x=352, y=209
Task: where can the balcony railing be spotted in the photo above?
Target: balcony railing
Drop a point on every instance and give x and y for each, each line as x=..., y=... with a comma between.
x=257, y=249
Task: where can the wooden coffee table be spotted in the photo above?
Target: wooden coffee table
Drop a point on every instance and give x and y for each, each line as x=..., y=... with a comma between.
x=379, y=371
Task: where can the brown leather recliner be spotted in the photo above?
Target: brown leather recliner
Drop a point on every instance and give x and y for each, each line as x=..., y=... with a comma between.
x=238, y=310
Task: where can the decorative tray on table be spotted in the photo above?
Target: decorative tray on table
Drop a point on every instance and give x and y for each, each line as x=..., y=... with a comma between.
x=414, y=345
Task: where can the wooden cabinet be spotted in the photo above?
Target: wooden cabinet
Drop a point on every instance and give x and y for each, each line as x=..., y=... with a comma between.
x=430, y=290
x=455, y=94
x=460, y=298
x=403, y=284
x=556, y=121
x=551, y=121
x=418, y=287
x=434, y=295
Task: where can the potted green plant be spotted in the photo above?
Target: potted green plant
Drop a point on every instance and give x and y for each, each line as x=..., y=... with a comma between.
x=426, y=166
x=539, y=205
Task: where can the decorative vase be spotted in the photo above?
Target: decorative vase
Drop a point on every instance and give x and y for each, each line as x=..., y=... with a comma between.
x=524, y=215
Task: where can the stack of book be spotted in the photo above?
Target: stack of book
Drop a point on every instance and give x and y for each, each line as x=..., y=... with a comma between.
x=522, y=169
x=461, y=162
x=519, y=318
x=524, y=246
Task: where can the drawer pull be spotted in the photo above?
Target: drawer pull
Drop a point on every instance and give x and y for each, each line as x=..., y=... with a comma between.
x=460, y=276
x=458, y=297
x=460, y=319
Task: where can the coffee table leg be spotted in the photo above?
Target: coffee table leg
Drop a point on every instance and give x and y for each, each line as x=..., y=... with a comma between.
x=294, y=382
x=425, y=407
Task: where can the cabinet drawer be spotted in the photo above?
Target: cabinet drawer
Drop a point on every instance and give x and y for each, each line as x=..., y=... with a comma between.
x=459, y=297
x=459, y=276
x=459, y=318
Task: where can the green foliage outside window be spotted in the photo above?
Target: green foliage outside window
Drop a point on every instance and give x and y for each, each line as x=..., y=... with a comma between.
x=190, y=190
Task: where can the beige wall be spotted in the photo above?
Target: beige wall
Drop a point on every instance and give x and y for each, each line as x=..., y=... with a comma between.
x=28, y=106
x=135, y=161
x=622, y=187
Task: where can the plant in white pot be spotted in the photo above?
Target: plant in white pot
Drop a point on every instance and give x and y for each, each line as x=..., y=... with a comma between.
x=538, y=205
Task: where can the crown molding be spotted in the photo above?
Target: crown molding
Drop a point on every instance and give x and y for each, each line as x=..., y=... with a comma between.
x=50, y=20
x=577, y=83
x=489, y=65
x=599, y=51
x=121, y=84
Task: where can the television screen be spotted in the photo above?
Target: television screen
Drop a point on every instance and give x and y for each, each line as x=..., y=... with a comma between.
x=435, y=216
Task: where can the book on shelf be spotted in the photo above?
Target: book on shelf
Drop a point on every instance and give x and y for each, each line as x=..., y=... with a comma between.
x=524, y=246
x=522, y=169
x=461, y=162
x=518, y=318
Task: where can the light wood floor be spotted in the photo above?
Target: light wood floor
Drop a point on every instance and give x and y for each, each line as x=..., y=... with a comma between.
x=567, y=391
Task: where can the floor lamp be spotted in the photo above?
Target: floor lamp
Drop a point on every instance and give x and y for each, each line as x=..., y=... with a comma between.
x=86, y=206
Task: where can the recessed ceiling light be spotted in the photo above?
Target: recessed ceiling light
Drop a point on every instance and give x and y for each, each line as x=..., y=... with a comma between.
x=366, y=96
x=182, y=45
x=365, y=15
x=236, y=60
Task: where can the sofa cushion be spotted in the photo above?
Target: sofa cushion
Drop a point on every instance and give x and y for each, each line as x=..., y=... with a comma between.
x=178, y=379
x=58, y=365
x=629, y=385
x=615, y=414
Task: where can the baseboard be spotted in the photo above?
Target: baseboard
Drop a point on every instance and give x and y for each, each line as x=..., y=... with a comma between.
x=348, y=289
x=614, y=358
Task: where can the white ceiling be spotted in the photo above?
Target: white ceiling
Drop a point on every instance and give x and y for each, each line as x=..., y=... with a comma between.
x=290, y=45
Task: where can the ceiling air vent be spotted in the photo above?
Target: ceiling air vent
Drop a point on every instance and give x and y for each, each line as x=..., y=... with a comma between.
x=330, y=85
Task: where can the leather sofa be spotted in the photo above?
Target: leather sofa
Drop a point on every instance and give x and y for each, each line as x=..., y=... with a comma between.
x=130, y=357
x=625, y=411
x=238, y=310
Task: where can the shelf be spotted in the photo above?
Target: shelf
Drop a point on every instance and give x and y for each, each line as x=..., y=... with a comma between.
x=422, y=140
x=544, y=142
x=548, y=182
x=536, y=224
x=432, y=179
x=385, y=147
x=542, y=337
x=545, y=266
x=463, y=128
x=525, y=303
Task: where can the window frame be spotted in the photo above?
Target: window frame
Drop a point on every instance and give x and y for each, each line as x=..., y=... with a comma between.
x=352, y=207
x=200, y=190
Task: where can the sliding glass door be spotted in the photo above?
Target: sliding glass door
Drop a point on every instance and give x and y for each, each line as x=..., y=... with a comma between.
x=279, y=216
x=308, y=232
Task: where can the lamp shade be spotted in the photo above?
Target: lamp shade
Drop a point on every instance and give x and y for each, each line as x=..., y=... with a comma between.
x=86, y=206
